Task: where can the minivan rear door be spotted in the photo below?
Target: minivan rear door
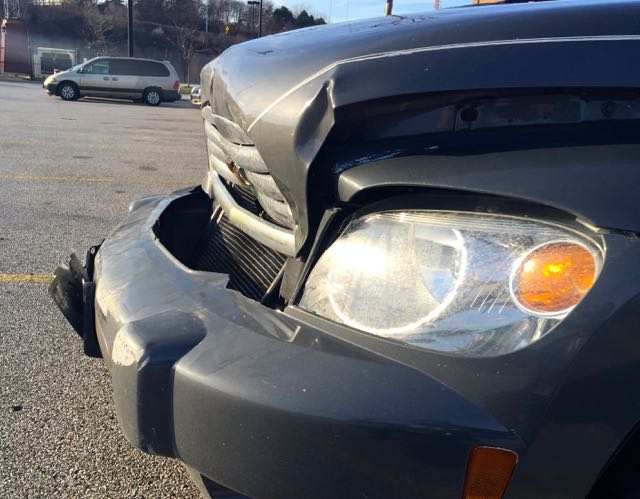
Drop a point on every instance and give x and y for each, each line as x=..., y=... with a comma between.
x=125, y=78
x=155, y=74
x=95, y=78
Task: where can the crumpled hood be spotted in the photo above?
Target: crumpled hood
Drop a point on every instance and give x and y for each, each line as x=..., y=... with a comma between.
x=284, y=90
x=251, y=76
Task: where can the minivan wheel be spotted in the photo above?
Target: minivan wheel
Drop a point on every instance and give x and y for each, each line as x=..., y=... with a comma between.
x=68, y=91
x=152, y=97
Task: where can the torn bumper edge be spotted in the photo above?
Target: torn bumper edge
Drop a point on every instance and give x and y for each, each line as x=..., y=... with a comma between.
x=73, y=291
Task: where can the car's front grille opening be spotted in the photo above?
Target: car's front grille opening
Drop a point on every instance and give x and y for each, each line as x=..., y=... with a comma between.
x=196, y=232
x=252, y=267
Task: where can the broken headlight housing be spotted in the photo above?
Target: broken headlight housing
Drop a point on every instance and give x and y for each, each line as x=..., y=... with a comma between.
x=464, y=283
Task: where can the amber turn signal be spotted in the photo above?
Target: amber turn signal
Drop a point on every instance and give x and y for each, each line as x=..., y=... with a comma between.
x=488, y=472
x=554, y=277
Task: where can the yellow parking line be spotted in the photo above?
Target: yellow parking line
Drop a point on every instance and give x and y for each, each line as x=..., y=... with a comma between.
x=26, y=278
x=95, y=180
x=33, y=142
x=93, y=146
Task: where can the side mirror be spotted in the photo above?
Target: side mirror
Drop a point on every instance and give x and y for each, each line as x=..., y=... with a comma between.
x=81, y=70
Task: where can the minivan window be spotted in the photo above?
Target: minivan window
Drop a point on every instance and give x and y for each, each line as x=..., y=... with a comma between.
x=136, y=67
x=150, y=68
x=99, y=67
x=125, y=67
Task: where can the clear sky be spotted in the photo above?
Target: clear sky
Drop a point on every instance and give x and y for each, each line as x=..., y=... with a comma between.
x=342, y=10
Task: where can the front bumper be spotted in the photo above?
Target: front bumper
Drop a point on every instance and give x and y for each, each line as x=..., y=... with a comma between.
x=279, y=404
x=51, y=88
x=260, y=400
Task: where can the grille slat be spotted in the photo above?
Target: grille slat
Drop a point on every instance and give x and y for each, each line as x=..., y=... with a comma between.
x=236, y=162
x=280, y=212
x=265, y=184
x=221, y=168
x=244, y=156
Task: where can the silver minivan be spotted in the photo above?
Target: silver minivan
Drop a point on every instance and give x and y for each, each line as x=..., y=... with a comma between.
x=144, y=80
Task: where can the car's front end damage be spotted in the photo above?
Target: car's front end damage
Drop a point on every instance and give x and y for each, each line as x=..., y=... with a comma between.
x=244, y=393
x=338, y=310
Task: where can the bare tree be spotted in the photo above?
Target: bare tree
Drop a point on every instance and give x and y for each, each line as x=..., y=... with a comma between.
x=388, y=8
x=96, y=27
x=227, y=11
x=98, y=21
x=188, y=42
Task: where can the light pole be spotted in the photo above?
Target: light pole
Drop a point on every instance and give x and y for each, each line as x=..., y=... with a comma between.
x=130, y=26
x=252, y=4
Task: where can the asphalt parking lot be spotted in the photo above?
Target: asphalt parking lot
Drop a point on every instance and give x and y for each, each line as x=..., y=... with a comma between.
x=68, y=172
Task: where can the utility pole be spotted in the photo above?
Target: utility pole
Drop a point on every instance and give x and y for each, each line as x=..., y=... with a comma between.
x=252, y=4
x=130, y=26
x=388, y=8
x=3, y=34
x=206, y=19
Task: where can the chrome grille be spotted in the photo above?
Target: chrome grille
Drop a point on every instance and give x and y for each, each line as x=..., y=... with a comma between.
x=234, y=158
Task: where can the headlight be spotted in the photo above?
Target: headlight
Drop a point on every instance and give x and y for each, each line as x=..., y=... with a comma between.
x=464, y=283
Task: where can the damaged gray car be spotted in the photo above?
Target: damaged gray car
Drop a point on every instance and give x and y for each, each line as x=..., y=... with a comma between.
x=410, y=270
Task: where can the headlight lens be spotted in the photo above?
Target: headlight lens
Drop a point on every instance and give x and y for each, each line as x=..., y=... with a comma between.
x=464, y=283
